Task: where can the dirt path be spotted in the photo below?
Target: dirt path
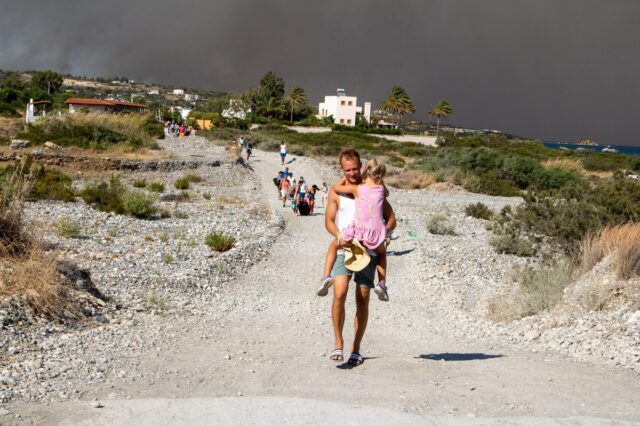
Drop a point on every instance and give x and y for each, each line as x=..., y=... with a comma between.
x=272, y=336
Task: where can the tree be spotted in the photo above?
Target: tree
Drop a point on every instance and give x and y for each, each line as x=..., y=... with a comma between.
x=398, y=103
x=11, y=89
x=268, y=99
x=440, y=110
x=295, y=98
x=49, y=81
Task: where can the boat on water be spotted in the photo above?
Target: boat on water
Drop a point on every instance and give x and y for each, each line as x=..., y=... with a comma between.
x=608, y=148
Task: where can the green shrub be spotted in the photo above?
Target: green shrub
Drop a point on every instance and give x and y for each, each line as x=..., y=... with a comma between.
x=219, y=242
x=155, y=186
x=182, y=183
x=521, y=171
x=179, y=214
x=52, y=185
x=479, y=211
x=438, y=224
x=139, y=204
x=139, y=183
x=68, y=228
x=491, y=184
x=193, y=177
x=507, y=240
x=105, y=196
x=206, y=196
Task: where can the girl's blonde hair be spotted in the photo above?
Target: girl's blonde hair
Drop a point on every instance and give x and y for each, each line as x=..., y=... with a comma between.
x=376, y=169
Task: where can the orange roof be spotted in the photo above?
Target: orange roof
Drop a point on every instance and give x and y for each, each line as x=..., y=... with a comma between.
x=81, y=101
x=101, y=102
x=130, y=104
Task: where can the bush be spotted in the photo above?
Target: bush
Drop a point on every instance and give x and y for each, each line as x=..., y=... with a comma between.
x=479, y=211
x=139, y=183
x=139, y=204
x=155, y=186
x=104, y=196
x=52, y=185
x=489, y=183
x=521, y=171
x=219, y=242
x=623, y=241
x=68, y=228
x=193, y=177
x=182, y=183
x=439, y=225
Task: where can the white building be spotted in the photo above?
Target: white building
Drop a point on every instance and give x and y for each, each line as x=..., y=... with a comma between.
x=153, y=92
x=178, y=92
x=191, y=97
x=237, y=109
x=343, y=108
x=36, y=110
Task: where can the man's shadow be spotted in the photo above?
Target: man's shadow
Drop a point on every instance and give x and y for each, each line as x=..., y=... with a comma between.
x=399, y=253
x=447, y=356
x=346, y=366
x=290, y=161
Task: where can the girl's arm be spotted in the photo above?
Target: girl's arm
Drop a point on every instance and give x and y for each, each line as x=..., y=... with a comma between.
x=343, y=187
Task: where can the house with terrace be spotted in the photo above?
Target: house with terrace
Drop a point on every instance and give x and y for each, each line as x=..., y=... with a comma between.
x=102, y=105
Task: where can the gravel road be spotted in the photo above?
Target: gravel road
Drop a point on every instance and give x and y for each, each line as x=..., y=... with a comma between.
x=265, y=334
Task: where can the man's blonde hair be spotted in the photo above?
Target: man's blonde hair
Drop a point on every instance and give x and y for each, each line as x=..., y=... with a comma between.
x=376, y=169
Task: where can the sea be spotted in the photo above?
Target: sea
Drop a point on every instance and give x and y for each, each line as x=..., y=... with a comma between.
x=627, y=150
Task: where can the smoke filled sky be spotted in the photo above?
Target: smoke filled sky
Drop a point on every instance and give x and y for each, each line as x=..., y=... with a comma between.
x=557, y=70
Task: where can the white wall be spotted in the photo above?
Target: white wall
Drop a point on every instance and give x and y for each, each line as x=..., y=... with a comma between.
x=343, y=109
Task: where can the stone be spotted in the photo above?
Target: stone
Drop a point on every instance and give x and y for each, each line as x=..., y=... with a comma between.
x=532, y=335
x=51, y=145
x=19, y=143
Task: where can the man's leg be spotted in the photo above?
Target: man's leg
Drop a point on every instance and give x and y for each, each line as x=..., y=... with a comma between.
x=362, y=316
x=340, y=290
x=364, y=280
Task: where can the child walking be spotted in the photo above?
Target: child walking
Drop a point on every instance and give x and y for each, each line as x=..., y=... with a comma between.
x=368, y=224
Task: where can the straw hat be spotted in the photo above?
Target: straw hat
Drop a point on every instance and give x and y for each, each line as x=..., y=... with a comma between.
x=356, y=257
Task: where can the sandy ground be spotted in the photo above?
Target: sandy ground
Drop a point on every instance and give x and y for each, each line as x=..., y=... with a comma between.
x=425, y=140
x=274, y=341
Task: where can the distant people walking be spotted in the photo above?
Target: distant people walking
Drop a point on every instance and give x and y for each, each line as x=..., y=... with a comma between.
x=285, y=186
x=283, y=152
x=324, y=189
x=249, y=149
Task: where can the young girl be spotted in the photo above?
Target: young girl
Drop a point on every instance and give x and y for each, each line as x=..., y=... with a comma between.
x=368, y=224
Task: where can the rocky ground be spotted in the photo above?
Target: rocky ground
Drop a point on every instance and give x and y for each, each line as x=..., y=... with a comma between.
x=184, y=322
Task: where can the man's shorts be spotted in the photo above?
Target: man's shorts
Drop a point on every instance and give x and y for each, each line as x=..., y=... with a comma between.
x=363, y=278
x=283, y=154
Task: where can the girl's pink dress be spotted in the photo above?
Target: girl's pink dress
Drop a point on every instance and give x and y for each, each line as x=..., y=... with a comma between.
x=368, y=224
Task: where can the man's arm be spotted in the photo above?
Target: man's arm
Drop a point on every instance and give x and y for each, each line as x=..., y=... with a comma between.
x=389, y=216
x=330, y=214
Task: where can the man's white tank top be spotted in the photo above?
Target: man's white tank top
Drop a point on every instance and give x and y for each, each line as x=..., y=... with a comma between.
x=346, y=214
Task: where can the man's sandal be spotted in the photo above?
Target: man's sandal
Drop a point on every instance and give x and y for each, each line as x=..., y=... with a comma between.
x=355, y=359
x=336, y=355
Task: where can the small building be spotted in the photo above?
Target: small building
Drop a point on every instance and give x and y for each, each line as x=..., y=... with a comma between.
x=35, y=110
x=102, y=105
x=237, y=109
x=343, y=108
x=191, y=97
x=178, y=92
x=153, y=92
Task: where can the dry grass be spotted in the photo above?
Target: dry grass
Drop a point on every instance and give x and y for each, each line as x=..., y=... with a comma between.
x=229, y=200
x=126, y=124
x=411, y=180
x=259, y=211
x=621, y=241
x=33, y=276
x=571, y=165
x=13, y=194
x=537, y=290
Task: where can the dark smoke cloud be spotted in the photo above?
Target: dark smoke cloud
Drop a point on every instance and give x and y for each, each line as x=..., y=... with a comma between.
x=555, y=70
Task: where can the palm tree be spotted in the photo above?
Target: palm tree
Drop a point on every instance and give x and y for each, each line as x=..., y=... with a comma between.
x=440, y=110
x=295, y=98
x=397, y=103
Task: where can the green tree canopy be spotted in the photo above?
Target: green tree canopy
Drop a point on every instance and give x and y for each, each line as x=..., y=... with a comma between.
x=48, y=81
x=398, y=103
x=11, y=89
x=296, y=98
x=269, y=97
x=441, y=110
